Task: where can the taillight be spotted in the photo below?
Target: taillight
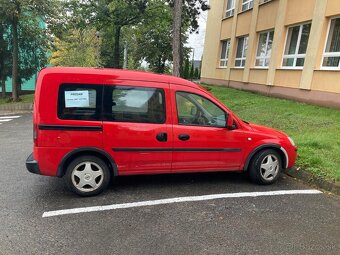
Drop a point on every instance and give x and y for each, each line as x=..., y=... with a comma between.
x=35, y=134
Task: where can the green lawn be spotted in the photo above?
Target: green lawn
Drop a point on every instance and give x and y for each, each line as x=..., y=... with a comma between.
x=24, y=99
x=315, y=130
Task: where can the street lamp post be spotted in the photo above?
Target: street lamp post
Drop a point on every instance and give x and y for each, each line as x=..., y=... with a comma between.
x=98, y=49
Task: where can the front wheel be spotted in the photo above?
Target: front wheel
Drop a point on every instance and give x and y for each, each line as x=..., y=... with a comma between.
x=265, y=167
x=87, y=176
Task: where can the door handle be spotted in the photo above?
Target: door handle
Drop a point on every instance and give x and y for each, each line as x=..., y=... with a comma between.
x=162, y=137
x=184, y=137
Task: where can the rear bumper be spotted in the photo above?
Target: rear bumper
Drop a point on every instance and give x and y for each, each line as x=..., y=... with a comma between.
x=32, y=165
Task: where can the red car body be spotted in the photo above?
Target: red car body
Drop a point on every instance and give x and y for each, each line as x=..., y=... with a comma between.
x=142, y=148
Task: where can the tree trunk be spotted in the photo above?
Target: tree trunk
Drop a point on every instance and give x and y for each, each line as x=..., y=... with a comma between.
x=116, y=60
x=15, y=59
x=2, y=63
x=176, y=41
x=3, y=86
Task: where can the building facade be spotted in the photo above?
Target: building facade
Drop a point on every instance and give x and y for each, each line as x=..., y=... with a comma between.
x=284, y=48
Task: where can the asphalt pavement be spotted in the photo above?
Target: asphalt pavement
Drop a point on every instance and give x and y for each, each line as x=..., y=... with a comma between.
x=284, y=224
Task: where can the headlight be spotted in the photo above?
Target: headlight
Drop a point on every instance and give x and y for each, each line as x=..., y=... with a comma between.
x=291, y=141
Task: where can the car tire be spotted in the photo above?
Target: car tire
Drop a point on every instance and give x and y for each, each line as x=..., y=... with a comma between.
x=265, y=167
x=87, y=176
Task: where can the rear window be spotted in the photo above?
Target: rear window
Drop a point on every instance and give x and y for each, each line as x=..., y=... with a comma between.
x=79, y=102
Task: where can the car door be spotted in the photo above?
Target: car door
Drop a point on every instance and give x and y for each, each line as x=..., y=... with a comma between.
x=201, y=140
x=137, y=127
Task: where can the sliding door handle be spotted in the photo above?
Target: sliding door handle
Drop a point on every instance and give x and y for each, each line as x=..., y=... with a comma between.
x=184, y=137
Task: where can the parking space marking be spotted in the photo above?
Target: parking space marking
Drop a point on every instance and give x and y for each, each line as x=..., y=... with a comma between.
x=178, y=200
x=9, y=117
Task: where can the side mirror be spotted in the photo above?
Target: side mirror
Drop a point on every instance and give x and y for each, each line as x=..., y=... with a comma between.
x=230, y=122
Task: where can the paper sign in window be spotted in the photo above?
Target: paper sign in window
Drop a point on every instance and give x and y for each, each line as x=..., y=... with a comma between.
x=77, y=98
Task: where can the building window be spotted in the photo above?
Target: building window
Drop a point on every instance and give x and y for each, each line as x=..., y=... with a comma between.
x=230, y=8
x=264, y=49
x=331, y=57
x=247, y=4
x=264, y=1
x=296, y=46
x=225, y=53
x=242, y=46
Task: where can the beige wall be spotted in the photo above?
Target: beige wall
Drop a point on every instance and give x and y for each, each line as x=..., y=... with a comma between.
x=226, y=29
x=258, y=76
x=333, y=7
x=265, y=21
x=326, y=81
x=278, y=15
x=299, y=11
x=243, y=23
x=236, y=74
x=212, y=45
x=288, y=78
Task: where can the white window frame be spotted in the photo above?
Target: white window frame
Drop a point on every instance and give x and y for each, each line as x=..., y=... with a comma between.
x=247, y=5
x=296, y=55
x=264, y=1
x=230, y=12
x=227, y=51
x=329, y=54
x=244, y=50
x=266, y=50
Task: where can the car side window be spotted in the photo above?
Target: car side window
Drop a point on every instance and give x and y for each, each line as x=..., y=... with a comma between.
x=193, y=109
x=134, y=104
x=79, y=102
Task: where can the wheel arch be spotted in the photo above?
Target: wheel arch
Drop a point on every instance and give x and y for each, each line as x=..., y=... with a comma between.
x=67, y=159
x=279, y=149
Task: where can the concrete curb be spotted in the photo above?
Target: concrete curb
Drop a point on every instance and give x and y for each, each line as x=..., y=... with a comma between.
x=16, y=107
x=333, y=187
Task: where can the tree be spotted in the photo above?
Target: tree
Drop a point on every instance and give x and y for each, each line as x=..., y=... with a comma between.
x=80, y=47
x=196, y=73
x=112, y=16
x=150, y=40
x=176, y=42
x=192, y=70
x=24, y=16
x=4, y=57
x=186, y=70
x=184, y=15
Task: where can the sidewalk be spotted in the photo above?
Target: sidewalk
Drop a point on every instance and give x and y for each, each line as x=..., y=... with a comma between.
x=16, y=107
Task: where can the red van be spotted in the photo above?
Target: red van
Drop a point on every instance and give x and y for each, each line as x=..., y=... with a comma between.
x=93, y=124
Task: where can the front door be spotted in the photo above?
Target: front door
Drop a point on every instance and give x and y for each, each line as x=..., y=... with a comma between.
x=137, y=127
x=201, y=140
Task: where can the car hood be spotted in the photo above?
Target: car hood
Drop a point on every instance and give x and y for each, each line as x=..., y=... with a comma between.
x=267, y=130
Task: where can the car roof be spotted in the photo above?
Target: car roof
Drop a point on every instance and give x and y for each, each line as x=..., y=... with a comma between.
x=120, y=74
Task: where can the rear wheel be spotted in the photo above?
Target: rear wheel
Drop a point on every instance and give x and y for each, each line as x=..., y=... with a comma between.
x=265, y=167
x=87, y=176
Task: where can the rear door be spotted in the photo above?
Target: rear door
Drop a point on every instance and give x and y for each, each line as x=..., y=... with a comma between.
x=201, y=140
x=137, y=127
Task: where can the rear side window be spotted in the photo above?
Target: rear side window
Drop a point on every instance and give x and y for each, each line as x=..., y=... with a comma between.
x=79, y=102
x=134, y=104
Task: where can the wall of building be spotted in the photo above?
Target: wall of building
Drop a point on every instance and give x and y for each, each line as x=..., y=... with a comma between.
x=311, y=83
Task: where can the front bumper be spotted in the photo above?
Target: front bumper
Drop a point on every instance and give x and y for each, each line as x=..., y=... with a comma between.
x=32, y=165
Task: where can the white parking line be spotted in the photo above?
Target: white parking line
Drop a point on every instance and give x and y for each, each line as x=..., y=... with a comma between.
x=9, y=117
x=177, y=200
